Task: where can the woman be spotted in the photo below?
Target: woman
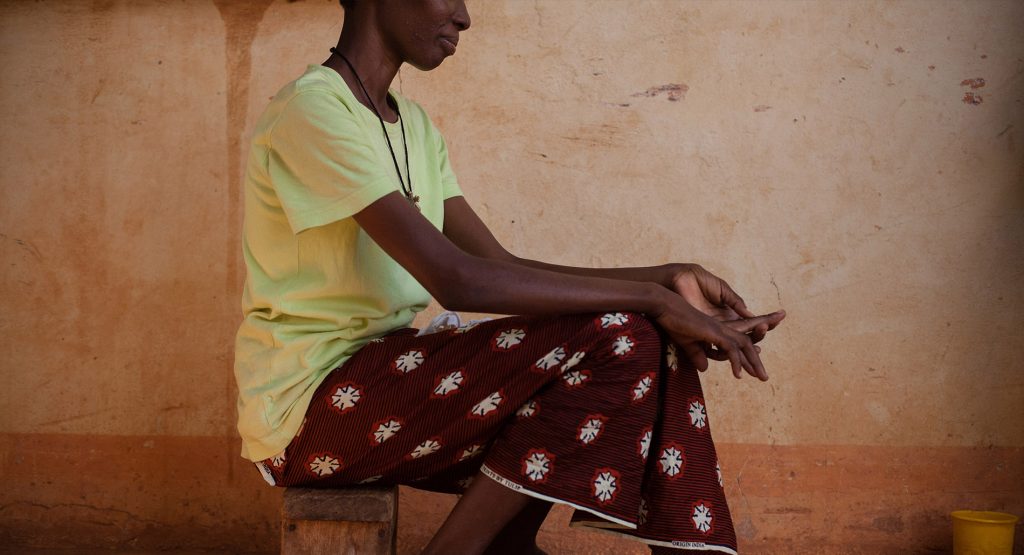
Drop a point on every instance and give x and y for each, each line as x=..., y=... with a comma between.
x=354, y=219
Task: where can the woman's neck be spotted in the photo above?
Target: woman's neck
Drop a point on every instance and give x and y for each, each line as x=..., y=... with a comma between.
x=375, y=64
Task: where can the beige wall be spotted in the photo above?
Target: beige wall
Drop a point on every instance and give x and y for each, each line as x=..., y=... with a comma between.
x=819, y=155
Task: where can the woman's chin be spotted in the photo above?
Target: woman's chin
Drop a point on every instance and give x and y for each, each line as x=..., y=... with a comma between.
x=428, y=64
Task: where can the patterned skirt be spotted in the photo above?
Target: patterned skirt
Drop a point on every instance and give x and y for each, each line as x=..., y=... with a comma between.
x=594, y=411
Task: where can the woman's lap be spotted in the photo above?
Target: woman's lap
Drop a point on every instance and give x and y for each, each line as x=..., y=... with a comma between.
x=562, y=408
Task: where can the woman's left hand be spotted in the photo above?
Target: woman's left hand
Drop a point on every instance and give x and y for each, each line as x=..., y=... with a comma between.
x=711, y=295
x=707, y=292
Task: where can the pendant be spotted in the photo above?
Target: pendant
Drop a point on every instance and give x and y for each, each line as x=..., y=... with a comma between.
x=415, y=200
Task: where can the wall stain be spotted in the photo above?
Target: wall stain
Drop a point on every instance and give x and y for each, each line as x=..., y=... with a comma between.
x=675, y=91
x=972, y=98
x=34, y=251
x=762, y=108
x=241, y=22
x=975, y=83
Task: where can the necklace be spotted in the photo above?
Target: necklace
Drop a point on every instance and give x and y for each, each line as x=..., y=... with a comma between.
x=407, y=191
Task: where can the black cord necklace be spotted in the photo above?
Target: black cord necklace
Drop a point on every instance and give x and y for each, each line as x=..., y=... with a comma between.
x=407, y=191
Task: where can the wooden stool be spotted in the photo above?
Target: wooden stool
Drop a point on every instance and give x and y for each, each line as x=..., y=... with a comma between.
x=351, y=521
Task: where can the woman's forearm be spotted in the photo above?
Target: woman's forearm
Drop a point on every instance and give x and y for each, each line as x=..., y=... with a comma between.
x=487, y=285
x=475, y=280
x=662, y=275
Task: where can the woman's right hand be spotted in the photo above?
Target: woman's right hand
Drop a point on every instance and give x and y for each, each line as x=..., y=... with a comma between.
x=702, y=337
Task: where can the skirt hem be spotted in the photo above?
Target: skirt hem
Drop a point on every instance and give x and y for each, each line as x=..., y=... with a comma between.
x=520, y=489
x=696, y=546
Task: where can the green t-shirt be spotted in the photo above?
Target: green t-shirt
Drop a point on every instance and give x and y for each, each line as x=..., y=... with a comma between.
x=318, y=288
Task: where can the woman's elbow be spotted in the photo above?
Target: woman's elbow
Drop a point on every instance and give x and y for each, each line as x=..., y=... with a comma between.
x=454, y=290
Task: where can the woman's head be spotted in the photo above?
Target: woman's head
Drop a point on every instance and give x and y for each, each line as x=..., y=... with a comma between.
x=422, y=32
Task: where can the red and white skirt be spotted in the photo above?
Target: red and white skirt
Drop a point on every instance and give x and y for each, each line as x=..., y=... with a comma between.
x=594, y=411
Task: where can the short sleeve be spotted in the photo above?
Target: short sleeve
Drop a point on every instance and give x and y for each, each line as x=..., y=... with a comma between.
x=449, y=184
x=321, y=163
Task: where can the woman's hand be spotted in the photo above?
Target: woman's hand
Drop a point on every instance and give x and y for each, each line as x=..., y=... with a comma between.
x=702, y=336
x=711, y=295
x=707, y=292
x=714, y=297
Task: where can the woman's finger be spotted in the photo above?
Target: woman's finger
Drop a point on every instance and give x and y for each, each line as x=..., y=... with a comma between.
x=758, y=333
x=714, y=353
x=729, y=347
x=756, y=367
x=734, y=301
x=724, y=314
x=747, y=325
x=696, y=355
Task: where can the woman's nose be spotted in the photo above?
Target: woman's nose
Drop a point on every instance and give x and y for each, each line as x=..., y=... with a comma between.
x=461, y=16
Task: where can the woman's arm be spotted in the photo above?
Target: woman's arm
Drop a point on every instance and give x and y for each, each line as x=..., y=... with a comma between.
x=468, y=231
x=701, y=289
x=470, y=280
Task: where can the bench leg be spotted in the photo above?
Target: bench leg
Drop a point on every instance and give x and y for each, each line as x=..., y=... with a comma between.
x=322, y=537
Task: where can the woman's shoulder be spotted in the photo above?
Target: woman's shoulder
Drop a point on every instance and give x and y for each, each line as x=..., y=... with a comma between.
x=312, y=99
x=320, y=87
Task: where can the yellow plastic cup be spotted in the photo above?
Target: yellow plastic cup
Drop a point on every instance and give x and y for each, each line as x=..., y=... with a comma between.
x=982, y=533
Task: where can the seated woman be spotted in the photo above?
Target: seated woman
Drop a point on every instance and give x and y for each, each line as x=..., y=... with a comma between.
x=354, y=219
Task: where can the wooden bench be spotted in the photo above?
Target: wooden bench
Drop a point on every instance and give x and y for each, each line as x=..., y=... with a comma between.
x=351, y=521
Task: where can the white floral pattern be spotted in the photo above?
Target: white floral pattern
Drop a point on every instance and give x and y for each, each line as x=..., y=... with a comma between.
x=385, y=430
x=488, y=405
x=645, y=444
x=409, y=361
x=468, y=326
x=550, y=360
x=509, y=338
x=605, y=484
x=698, y=416
x=448, y=384
x=528, y=409
x=672, y=461
x=570, y=363
x=702, y=517
x=642, y=386
x=623, y=345
x=573, y=361
x=428, y=447
x=576, y=377
x=323, y=465
x=590, y=428
x=278, y=460
x=346, y=396
x=672, y=357
x=614, y=319
x=471, y=451
x=537, y=464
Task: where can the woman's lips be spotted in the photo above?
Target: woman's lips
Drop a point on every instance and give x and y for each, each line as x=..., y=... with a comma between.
x=449, y=45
